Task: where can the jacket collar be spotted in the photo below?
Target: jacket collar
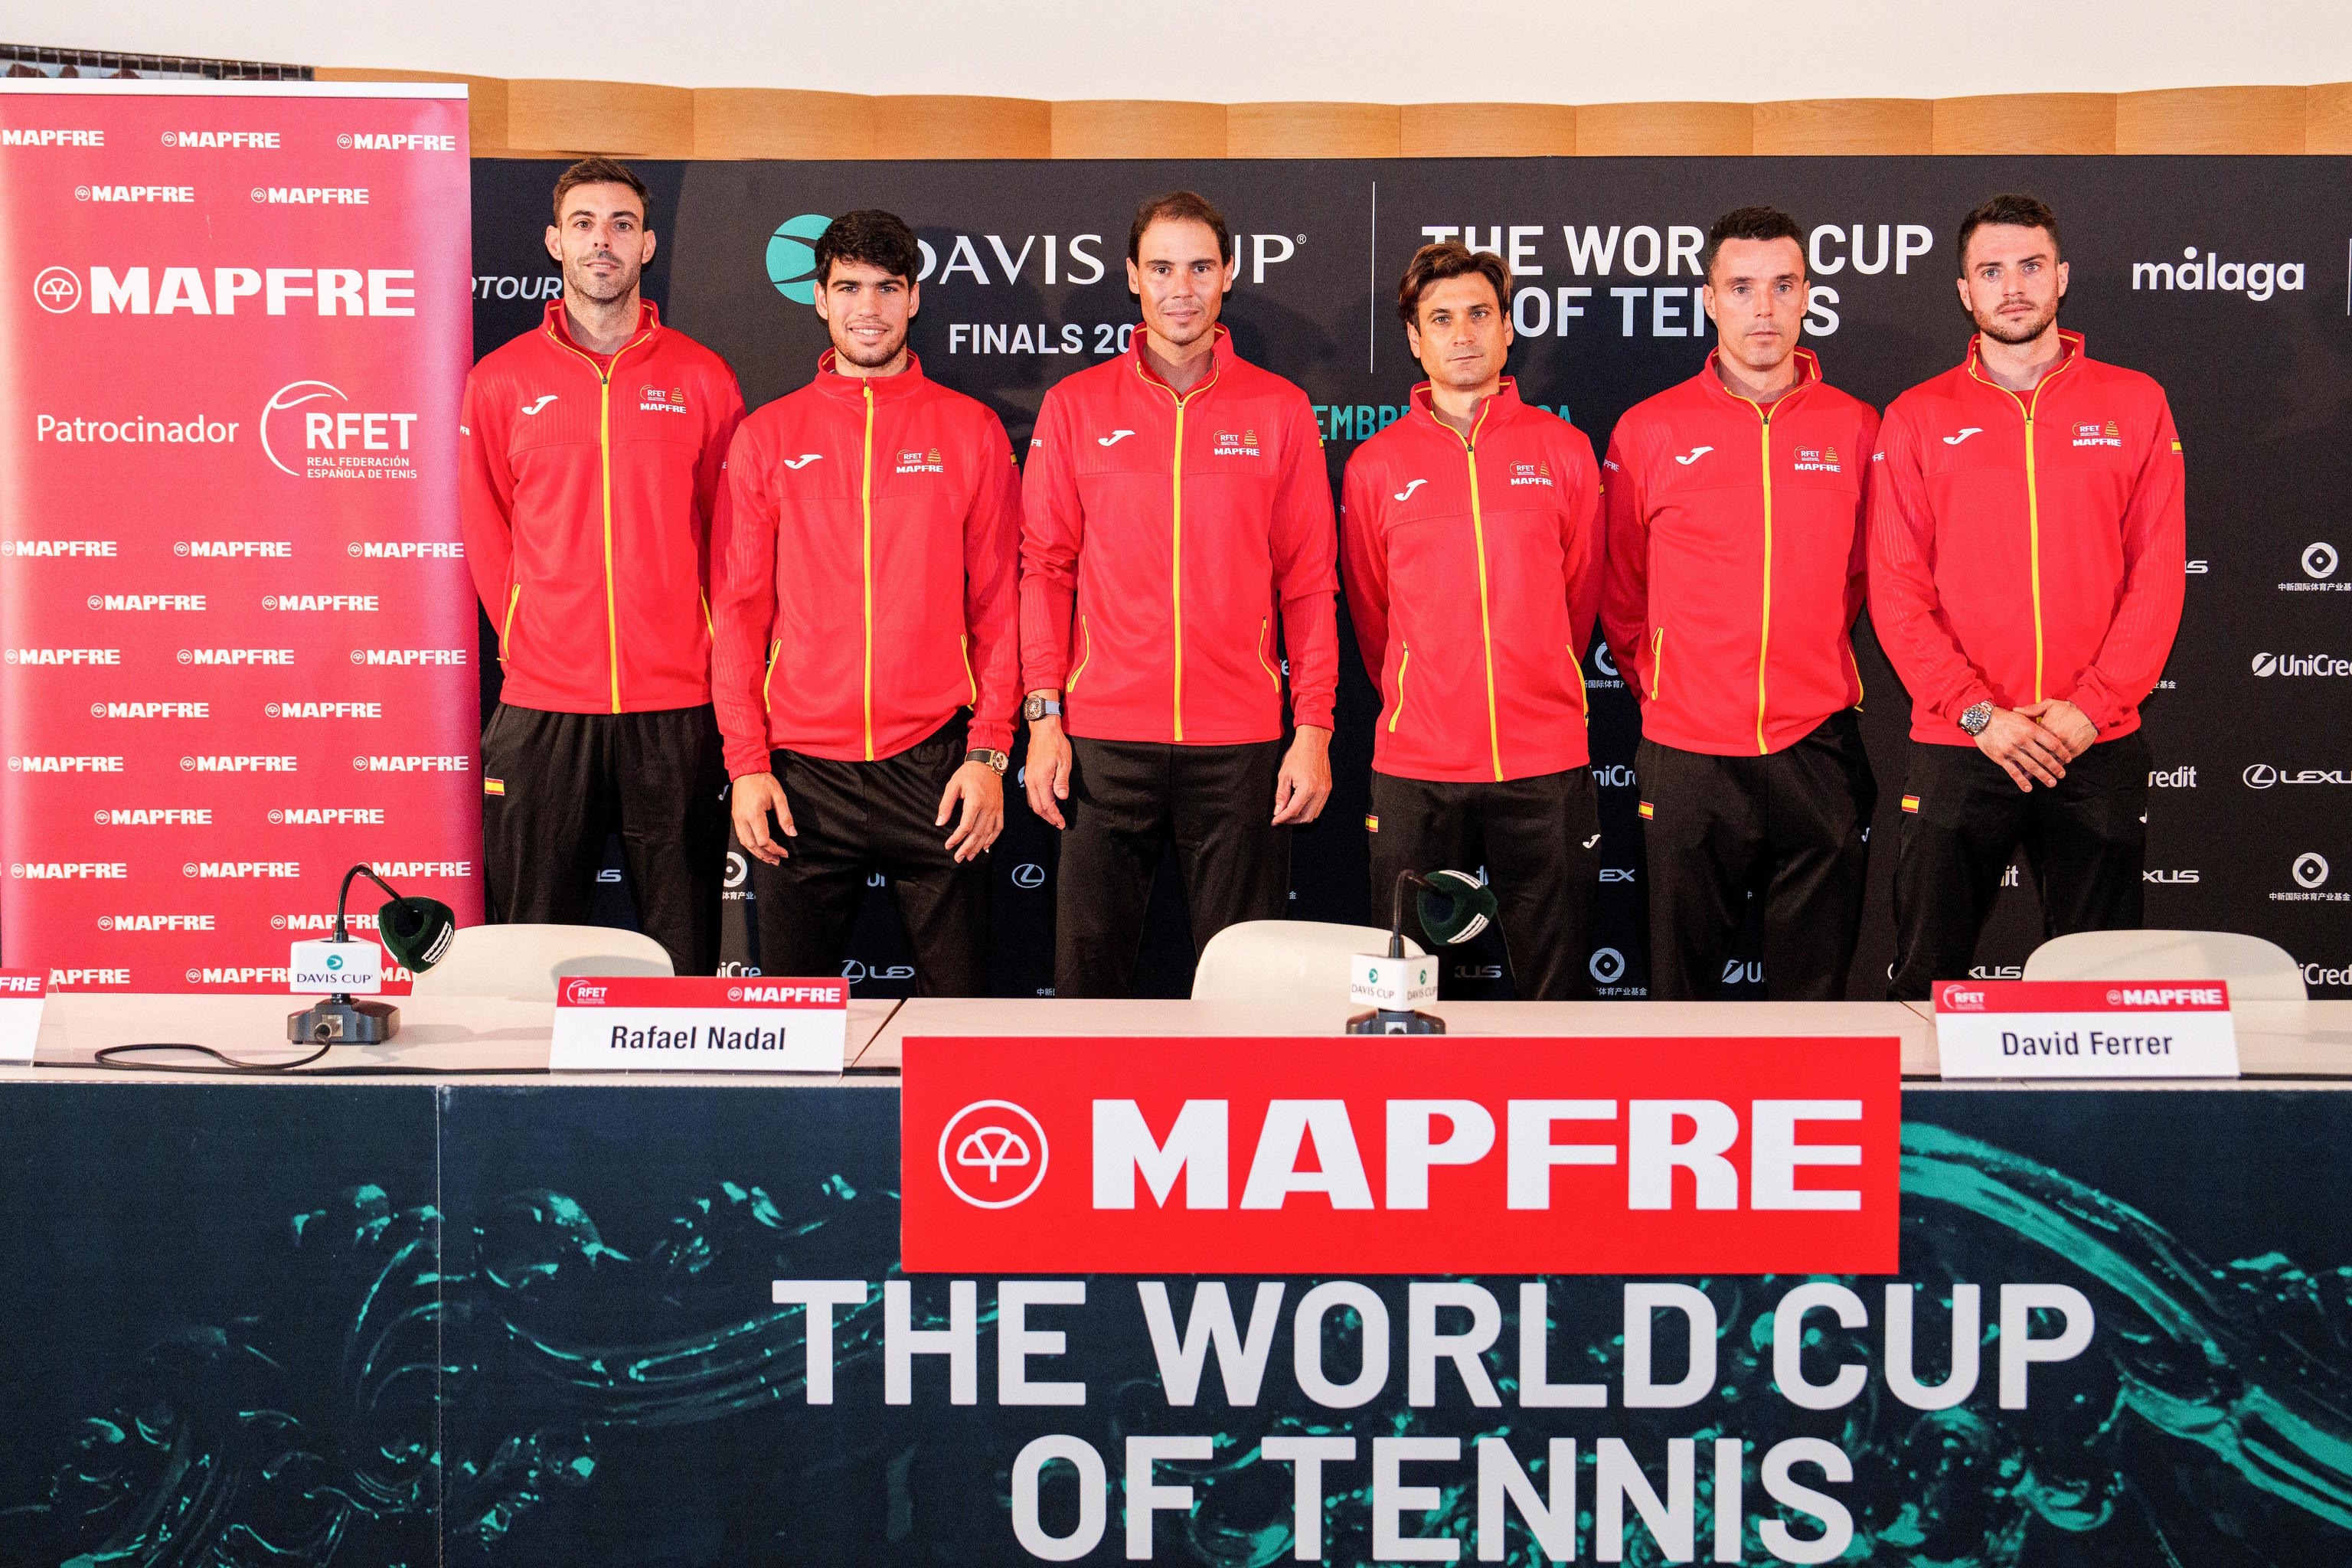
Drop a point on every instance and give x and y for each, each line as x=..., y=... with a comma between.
x=2071, y=348
x=559, y=326
x=853, y=388
x=1495, y=410
x=1221, y=360
x=1808, y=371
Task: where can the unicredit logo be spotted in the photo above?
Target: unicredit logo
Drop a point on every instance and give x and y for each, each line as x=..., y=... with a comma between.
x=2314, y=664
x=992, y=1153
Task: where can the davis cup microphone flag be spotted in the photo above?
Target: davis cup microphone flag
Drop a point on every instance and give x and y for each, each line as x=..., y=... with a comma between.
x=235, y=323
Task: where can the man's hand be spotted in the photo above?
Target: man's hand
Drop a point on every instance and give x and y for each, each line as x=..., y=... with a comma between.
x=753, y=796
x=1047, y=776
x=1305, y=783
x=982, y=794
x=2066, y=722
x=2024, y=748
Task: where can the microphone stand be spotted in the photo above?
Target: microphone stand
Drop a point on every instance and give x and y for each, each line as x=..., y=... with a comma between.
x=1400, y=1020
x=341, y=1020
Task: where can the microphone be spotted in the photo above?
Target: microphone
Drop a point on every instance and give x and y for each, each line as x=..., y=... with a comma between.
x=416, y=930
x=1453, y=906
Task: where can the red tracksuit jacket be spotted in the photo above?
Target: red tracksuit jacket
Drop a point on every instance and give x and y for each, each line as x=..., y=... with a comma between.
x=865, y=567
x=1737, y=560
x=584, y=492
x=1471, y=566
x=1170, y=546
x=2026, y=546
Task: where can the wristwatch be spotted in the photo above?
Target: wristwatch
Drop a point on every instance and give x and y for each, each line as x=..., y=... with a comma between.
x=1037, y=706
x=999, y=761
x=1975, y=720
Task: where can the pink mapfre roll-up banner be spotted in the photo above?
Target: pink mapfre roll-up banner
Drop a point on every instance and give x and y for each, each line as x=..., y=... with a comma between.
x=239, y=634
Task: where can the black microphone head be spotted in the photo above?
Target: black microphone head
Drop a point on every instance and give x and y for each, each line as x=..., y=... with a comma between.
x=416, y=930
x=1460, y=910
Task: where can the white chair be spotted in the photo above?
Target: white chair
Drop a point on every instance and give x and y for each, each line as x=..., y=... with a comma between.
x=1285, y=961
x=2257, y=971
x=524, y=963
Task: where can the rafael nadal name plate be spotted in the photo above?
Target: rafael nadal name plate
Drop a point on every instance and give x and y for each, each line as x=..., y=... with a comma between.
x=700, y=1024
x=2085, y=1029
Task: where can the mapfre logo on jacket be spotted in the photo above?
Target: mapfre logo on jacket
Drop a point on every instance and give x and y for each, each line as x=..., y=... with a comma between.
x=586, y=488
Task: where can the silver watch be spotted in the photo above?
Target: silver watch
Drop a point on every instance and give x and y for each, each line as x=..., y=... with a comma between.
x=1975, y=720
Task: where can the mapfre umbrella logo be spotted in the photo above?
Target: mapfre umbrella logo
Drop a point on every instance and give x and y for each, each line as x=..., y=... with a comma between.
x=992, y=1154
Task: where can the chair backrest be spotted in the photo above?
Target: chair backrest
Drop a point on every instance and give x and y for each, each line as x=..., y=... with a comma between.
x=1284, y=961
x=2257, y=971
x=523, y=963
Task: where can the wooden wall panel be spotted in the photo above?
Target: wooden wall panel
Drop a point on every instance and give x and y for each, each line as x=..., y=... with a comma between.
x=1488, y=131
x=2327, y=119
x=1664, y=130
x=627, y=119
x=1313, y=131
x=918, y=126
x=486, y=99
x=772, y=122
x=1805, y=127
x=2026, y=123
x=1134, y=128
x=2211, y=119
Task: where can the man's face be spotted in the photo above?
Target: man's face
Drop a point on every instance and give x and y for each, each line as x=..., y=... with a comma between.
x=2011, y=281
x=1461, y=332
x=1755, y=296
x=1181, y=279
x=866, y=310
x=601, y=240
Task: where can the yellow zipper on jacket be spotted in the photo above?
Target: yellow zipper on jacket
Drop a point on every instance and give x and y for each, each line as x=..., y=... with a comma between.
x=1764, y=619
x=1485, y=623
x=604, y=451
x=1176, y=546
x=768, y=703
x=865, y=537
x=2029, y=407
x=963, y=646
x=1404, y=660
x=1265, y=625
x=1086, y=640
x=506, y=632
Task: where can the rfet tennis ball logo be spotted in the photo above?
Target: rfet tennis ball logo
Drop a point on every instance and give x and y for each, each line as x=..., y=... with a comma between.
x=792, y=256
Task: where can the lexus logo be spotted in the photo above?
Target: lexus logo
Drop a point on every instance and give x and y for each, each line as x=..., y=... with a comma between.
x=1608, y=965
x=992, y=1154
x=2310, y=870
x=1028, y=874
x=57, y=289
x=2261, y=776
x=2319, y=561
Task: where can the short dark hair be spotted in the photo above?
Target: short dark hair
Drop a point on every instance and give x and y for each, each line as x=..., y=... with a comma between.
x=1179, y=206
x=1749, y=223
x=599, y=170
x=2012, y=208
x=875, y=238
x=1435, y=263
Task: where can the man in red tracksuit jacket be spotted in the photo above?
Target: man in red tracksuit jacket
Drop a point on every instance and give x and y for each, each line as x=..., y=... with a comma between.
x=1737, y=567
x=1470, y=536
x=1176, y=544
x=2028, y=546
x=590, y=451
x=866, y=568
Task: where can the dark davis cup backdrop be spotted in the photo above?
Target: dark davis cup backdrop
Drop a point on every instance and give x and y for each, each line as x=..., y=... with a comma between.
x=391, y=1324
x=2226, y=279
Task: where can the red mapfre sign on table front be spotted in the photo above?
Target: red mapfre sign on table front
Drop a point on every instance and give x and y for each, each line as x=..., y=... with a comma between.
x=1396, y=1156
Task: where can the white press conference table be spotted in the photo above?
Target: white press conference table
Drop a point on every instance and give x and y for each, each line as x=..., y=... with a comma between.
x=493, y=1040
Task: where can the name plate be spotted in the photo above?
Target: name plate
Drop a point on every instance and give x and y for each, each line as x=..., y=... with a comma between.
x=2085, y=1029
x=700, y=1024
x=1398, y=984
x=21, y=991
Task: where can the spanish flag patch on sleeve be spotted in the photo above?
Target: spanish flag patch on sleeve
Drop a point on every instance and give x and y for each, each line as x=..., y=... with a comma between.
x=1372, y=823
x=494, y=787
x=1648, y=811
x=1911, y=804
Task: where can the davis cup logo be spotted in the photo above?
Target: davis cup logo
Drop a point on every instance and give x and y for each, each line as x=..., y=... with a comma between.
x=993, y=1145
x=57, y=289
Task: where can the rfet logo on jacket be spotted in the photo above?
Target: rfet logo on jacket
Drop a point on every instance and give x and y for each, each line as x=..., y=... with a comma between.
x=585, y=491
x=1173, y=549
x=865, y=565
x=1472, y=564
x=2026, y=547
x=1738, y=559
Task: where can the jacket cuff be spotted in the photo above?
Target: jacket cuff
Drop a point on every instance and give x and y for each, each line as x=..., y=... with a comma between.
x=745, y=758
x=996, y=736
x=1975, y=692
x=1315, y=712
x=2097, y=706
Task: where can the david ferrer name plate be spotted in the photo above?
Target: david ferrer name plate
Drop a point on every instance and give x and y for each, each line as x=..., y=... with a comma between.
x=2085, y=1029
x=700, y=1024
